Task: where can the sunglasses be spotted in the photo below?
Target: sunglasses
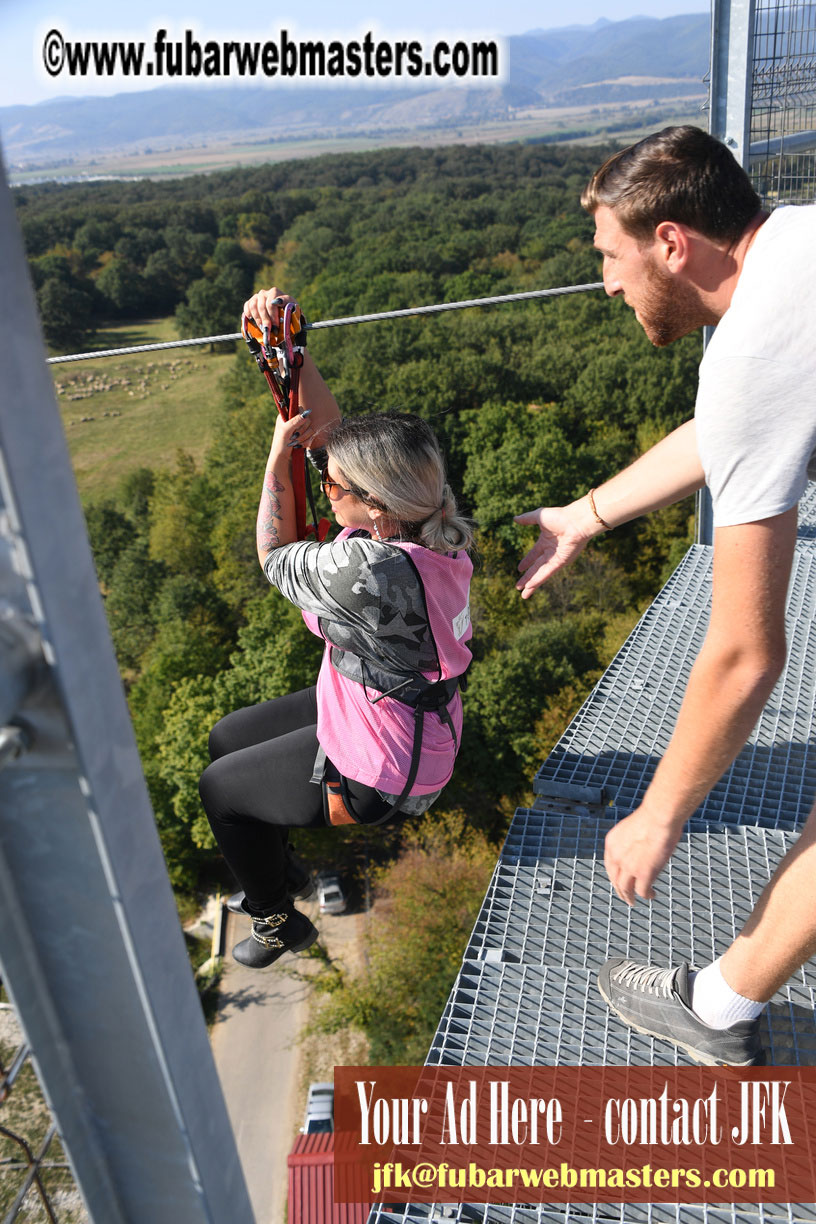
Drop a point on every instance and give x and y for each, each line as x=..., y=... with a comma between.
x=333, y=490
x=327, y=485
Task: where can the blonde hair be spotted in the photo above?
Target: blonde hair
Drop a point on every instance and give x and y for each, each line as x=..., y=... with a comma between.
x=392, y=460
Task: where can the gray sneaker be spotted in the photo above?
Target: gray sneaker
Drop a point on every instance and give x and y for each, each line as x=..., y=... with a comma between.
x=657, y=1002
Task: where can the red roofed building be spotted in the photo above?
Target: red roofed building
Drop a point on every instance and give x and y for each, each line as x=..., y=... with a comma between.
x=311, y=1185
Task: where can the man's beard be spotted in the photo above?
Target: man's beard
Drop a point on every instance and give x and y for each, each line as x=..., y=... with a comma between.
x=667, y=309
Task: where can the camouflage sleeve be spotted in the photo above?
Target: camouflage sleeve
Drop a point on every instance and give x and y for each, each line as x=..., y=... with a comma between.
x=366, y=594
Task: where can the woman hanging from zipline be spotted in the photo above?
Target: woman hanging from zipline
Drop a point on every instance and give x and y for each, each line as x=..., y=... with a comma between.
x=378, y=734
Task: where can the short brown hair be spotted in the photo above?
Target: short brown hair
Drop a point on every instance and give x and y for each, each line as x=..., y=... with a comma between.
x=680, y=174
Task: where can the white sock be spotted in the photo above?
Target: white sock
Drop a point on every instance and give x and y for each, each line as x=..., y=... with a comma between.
x=716, y=1004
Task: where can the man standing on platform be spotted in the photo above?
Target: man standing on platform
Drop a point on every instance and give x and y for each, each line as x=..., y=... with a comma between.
x=685, y=242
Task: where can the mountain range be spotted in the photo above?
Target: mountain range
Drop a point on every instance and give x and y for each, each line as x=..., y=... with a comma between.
x=576, y=66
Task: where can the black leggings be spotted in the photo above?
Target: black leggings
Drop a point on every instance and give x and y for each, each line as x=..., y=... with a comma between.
x=258, y=787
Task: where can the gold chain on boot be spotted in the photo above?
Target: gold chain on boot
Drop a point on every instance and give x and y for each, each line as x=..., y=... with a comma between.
x=272, y=921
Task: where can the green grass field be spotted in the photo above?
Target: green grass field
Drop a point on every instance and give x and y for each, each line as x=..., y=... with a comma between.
x=122, y=413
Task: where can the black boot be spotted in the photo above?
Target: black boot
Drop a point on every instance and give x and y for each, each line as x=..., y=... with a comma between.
x=274, y=934
x=299, y=882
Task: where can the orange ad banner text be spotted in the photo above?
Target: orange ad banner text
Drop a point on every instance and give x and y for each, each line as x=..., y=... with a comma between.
x=575, y=1134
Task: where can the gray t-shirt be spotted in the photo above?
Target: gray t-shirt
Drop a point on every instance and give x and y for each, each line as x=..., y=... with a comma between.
x=756, y=403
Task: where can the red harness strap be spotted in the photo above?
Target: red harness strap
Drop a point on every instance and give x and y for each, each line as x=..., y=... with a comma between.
x=279, y=356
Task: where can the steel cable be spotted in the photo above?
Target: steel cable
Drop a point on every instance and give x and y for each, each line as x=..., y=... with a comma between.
x=437, y=308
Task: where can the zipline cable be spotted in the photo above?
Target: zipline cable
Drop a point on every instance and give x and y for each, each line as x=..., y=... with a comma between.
x=366, y=318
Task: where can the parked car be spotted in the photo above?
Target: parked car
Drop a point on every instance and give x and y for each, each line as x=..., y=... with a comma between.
x=331, y=895
x=319, y=1110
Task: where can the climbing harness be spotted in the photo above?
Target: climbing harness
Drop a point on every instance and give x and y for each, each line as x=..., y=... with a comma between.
x=432, y=695
x=279, y=354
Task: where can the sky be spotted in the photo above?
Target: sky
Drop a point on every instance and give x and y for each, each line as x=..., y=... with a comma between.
x=24, y=25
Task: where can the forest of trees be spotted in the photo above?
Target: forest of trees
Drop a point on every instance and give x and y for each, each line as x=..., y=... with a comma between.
x=533, y=403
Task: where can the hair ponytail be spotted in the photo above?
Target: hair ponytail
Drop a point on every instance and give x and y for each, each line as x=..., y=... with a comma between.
x=445, y=530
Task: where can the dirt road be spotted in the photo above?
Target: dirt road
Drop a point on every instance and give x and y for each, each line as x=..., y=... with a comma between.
x=260, y=1015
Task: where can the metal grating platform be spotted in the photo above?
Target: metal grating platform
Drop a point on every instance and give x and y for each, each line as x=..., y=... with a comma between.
x=550, y=910
x=550, y=901
x=807, y=513
x=526, y=992
x=588, y=1213
x=526, y=1015
x=523, y=1014
x=618, y=736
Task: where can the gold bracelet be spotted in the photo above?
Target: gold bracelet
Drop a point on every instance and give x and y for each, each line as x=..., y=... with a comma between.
x=603, y=522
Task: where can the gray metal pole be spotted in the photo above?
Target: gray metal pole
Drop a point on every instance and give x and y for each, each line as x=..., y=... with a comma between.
x=91, y=950
x=731, y=75
x=732, y=43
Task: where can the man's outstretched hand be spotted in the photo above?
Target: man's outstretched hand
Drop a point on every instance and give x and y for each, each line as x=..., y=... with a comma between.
x=563, y=536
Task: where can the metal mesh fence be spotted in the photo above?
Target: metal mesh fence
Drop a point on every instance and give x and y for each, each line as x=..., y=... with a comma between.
x=36, y=1181
x=783, y=109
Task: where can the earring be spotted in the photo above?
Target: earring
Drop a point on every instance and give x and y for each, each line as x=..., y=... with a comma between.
x=376, y=530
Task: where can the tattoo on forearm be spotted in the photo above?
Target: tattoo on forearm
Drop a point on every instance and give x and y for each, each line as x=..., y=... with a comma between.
x=269, y=513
